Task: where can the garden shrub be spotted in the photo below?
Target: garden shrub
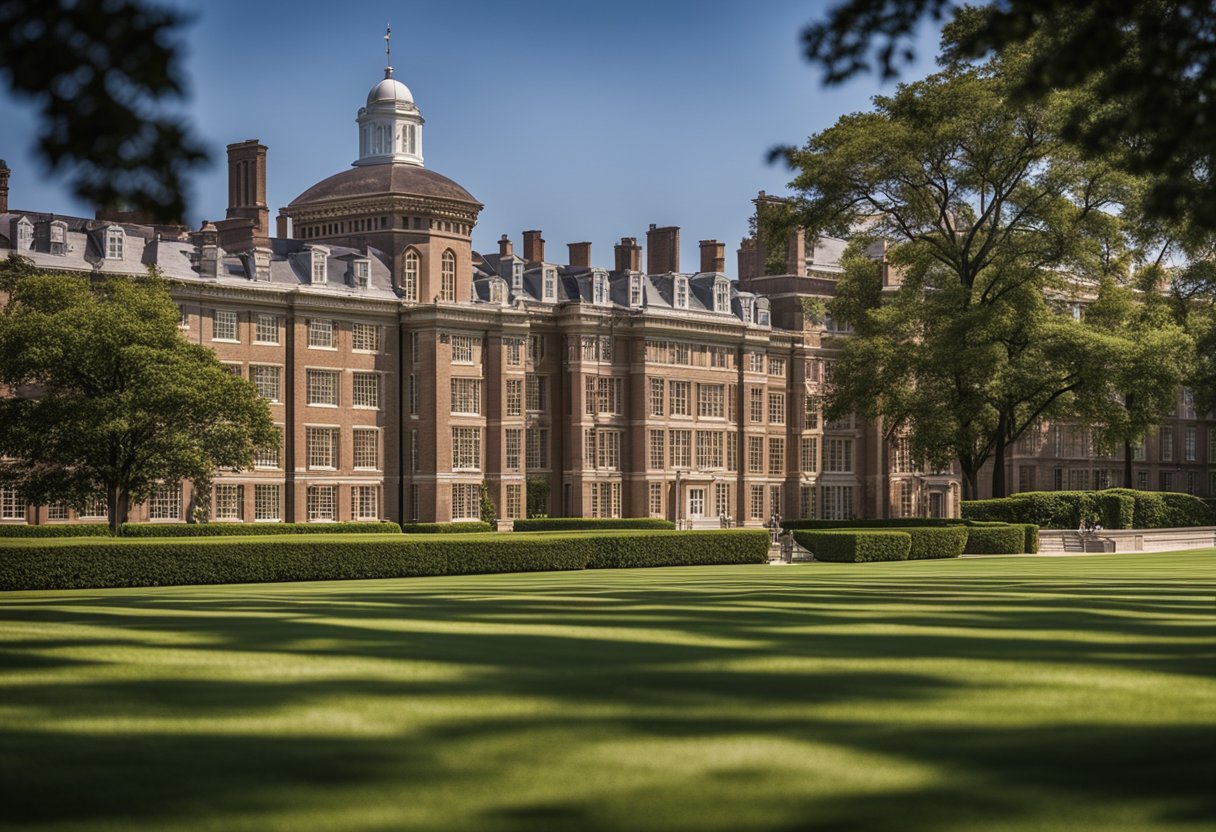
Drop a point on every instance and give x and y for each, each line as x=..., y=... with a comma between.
x=68, y=530
x=936, y=542
x=571, y=524
x=116, y=563
x=996, y=540
x=1115, y=510
x=892, y=523
x=144, y=530
x=855, y=546
x=1109, y=507
x=461, y=527
x=1186, y=510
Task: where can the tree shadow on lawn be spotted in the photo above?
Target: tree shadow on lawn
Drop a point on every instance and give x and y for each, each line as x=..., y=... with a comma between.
x=649, y=654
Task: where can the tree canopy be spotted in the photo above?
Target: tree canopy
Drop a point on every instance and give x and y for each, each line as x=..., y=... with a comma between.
x=107, y=399
x=997, y=227
x=101, y=74
x=1144, y=74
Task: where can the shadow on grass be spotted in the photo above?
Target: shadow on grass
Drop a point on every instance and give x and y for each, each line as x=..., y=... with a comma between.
x=668, y=664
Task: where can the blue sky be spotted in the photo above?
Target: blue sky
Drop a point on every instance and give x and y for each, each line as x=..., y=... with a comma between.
x=588, y=121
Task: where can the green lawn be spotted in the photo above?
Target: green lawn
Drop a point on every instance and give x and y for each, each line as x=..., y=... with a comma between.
x=985, y=694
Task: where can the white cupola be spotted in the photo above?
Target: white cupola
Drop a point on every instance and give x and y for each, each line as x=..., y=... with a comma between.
x=390, y=126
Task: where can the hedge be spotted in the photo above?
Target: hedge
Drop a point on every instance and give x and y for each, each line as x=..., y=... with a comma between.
x=995, y=540
x=1110, y=508
x=862, y=546
x=70, y=530
x=936, y=542
x=461, y=527
x=892, y=523
x=118, y=563
x=253, y=529
x=573, y=524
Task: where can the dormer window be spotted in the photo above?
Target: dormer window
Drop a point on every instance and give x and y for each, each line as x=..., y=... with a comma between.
x=635, y=290
x=496, y=293
x=517, y=277
x=600, y=288
x=59, y=238
x=319, y=275
x=681, y=293
x=25, y=234
x=114, y=241
x=550, y=285
x=721, y=296
x=361, y=273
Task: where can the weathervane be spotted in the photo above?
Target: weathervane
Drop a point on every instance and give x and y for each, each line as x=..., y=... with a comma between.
x=388, y=63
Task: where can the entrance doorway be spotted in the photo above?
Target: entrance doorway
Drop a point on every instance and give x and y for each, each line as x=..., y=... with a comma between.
x=696, y=503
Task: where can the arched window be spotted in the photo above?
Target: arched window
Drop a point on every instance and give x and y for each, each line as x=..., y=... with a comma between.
x=409, y=283
x=447, y=285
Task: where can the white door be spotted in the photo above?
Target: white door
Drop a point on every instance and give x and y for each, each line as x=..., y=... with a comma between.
x=696, y=502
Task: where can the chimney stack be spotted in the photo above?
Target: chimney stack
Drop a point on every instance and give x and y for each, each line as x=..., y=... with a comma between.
x=713, y=256
x=795, y=252
x=580, y=255
x=4, y=172
x=505, y=247
x=534, y=247
x=628, y=255
x=247, y=186
x=280, y=227
x=662, y=249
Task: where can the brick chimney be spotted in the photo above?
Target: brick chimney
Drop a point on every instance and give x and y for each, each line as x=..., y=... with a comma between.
x=795, y=252
x=628, y=255
x=247, y=186
x=281, y=227
x=505, y=247
x=713, y=256
x=534, y=247
x=662, y=249
x=4, y=172
x=580, y=255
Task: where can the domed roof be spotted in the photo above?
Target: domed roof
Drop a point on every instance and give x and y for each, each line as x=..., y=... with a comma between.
x=390, y=89
x=373, y=180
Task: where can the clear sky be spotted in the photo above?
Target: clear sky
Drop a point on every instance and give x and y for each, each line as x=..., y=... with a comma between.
x=588, y=121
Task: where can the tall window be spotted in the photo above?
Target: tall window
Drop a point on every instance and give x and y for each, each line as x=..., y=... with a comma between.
x=810, y=454
x=608, y=449
x=322, y=334
x=447, y=284
x=755, y=502
x=366, y=448
x=462, y=348
x=266, y=329
x=466, y=449
x=268, y=380
x=722, y=499
x=362, y=273
x=656, y=499
x=755, y=454
x=322, y=503
x=1188, y=444
x=114, y=239
x=1167, y=446
x=513, y=441
x=837, y=502
x=838, y=459
x=466, y=396
x=710, y=400
x=537, y=448
x=319, y=275
x=536, y=393
x=165, y=502
x=756, y=404
x=223, y=326
x=721, y=296
x=658, y=454
x=409, y=282
x=365, y=338
x=322, y=447
x=678, y=393
x=656, y=397
x=267, y=501
x=681, y=448
x=227, y=502
x=776, y=408
x=549, y=289
x=267, y=456
x=466, y=501
x=365, y=502
x=681, y=293
x=323, y=387
x=515, y=500
x=515, y=389
x=732, y=451
x=635, y=291
x=709, y=449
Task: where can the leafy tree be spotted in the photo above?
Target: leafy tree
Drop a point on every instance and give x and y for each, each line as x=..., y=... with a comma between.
x=1151, y=358
x=1143, y=71
x=985, y=210
x=100, y=73
x=108, y=398
x=486, y=509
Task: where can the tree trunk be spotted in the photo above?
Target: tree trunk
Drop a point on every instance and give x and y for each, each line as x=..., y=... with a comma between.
x=1127, y=463
x=998, y=461
x=970, y=482
x=112, y=508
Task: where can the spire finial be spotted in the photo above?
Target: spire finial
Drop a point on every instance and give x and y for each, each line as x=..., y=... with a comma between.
x=388, y=64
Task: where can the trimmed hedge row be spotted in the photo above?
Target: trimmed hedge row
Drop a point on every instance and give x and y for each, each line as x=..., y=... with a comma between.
x=253, y=529
x=461, y=527
x=892, y=523
x=72, y=530
x=936, y=542
x=862, y=546
x=119, y=563
x=995, y=540
x=1114, y=508
x=574, y=524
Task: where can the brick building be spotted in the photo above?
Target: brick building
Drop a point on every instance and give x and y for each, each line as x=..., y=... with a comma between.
x=407, y=369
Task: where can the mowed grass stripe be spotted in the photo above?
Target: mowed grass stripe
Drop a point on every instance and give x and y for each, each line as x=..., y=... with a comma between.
x=1004, y=693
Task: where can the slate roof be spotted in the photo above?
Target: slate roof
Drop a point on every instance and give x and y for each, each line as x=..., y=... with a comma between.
x=375, y=180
